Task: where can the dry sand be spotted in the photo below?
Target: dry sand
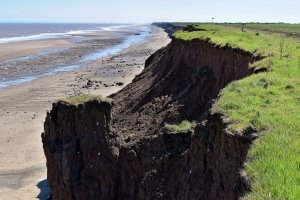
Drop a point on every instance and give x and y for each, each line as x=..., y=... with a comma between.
x=23, y=109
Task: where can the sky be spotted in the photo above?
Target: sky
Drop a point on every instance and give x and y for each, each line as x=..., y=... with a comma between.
x=138, y=11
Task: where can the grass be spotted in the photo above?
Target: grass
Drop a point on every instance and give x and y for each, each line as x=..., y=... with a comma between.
x=184, y=126
x=85, y=98
x=270, y=102
x=262, y=44
x=281, y=28
x=289, y=29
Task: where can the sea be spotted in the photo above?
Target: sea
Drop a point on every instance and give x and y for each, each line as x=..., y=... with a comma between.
x=17, y=32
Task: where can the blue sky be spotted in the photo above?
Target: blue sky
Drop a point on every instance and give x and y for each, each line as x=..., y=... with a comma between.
x=138, y=11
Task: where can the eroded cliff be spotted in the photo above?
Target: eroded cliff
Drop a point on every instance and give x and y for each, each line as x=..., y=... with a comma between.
x=132, y=155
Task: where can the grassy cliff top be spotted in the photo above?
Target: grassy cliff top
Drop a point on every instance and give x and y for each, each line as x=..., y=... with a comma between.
x=289, y=29
x=269, y=101
x=84, y=98
x=256, y=42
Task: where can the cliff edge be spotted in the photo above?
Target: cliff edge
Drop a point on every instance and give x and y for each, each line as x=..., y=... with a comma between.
x=97, y=150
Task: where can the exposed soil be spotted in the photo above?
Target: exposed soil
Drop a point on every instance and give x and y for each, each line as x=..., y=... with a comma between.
x=137, y=157
x=179, y=82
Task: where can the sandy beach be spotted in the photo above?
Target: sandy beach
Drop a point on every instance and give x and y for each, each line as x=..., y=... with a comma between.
x=23, y=107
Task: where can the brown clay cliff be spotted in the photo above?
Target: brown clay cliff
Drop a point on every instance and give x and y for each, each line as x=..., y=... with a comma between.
x=96, y=150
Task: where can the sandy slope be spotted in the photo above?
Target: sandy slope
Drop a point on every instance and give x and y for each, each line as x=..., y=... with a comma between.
x=23, y=109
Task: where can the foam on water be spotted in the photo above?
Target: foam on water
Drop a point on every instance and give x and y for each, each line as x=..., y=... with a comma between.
x=43, y=36
x=82, y=32
x=32, y=37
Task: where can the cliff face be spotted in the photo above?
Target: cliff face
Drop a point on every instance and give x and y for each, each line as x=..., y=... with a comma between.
x=78, y=151
x=134, y=156
x=178, y=82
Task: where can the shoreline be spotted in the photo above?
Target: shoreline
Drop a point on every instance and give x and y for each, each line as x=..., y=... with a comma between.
x=25, y=107
x=66, y=58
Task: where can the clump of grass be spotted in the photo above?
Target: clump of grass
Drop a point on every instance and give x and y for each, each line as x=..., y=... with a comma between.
x=184, y=126
x=190, y=28
x=84, y=98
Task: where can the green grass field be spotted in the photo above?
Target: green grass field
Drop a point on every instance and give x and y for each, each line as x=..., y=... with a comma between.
x=289, y=29
x=269, y=101
x=281, y=28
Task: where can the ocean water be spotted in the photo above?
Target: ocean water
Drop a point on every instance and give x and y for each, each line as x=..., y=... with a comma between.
x=25, y=32
x=19, y=32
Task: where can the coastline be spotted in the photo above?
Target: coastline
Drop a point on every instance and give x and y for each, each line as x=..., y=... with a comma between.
x=25, y=106
x=29, y=60
x=34, y=59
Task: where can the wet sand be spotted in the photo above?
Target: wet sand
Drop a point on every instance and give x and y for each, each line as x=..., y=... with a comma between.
x=26, y=48
x=24, y=107
x=34, y=65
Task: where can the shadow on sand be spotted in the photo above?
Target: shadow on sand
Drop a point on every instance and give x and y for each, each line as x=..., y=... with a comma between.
x=45, y=191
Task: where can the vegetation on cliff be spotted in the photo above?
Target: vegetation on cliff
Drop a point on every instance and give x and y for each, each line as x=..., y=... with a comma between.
x=85, y=98
x=268, y=101
x=184, y=126
x=290, y=29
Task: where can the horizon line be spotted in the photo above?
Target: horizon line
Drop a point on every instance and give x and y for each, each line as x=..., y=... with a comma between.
x=85, y=22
